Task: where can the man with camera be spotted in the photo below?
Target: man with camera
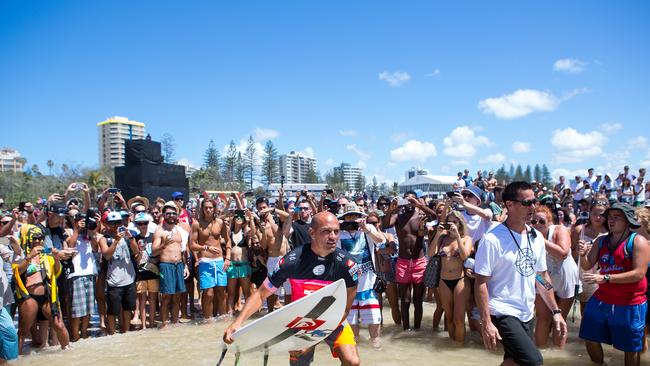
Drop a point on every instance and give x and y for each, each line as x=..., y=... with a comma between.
x=406, y=214
x=120, y=252
x=360, y=241
x=478, y=219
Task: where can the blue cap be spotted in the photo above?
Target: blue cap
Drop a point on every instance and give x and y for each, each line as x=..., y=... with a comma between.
x=175, y=195
x=419, y=193
x=474, y=190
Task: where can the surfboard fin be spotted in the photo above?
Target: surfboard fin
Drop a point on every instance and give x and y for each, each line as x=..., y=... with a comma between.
x=224, y=350
x=237, y=359
x=266, y=356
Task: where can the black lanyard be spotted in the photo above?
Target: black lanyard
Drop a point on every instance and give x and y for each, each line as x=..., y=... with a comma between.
x=516, y=242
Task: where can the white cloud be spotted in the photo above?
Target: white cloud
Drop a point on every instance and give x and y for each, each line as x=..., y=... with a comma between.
x=497, y=158
x=361, y=164
x=308, y=152
x=568, y=174
x=520, y=103
x=396, y=78
x=414, y=150
x=435, y=72
x=241, y=147
x=329, y=162
x=611, y=127
x=520, y=147
x=462, y=143
x=360, y=153
x=574, y=147
x=263, y=134
x=571, y=65
x=348, y=133
x=639, y=142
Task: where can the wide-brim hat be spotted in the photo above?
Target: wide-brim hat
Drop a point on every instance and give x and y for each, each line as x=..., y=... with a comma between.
x=475, y=191
x=627, y=210
x=138, y=200
x=351, y=208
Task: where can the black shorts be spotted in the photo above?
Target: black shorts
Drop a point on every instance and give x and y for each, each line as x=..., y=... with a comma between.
x=120, y=299
x=517, y=340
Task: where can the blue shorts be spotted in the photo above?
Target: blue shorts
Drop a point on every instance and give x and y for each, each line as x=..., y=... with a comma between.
x=8, y=337
x=211, y=274
x=171, y=278
x=619, y=325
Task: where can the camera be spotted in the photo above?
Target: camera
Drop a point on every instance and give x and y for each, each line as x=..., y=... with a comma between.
x=402, y=202
x=329, y=191
x=584, y=215
x=349, y=226
x=451, y=194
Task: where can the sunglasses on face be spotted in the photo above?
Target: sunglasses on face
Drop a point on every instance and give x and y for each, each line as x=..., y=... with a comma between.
x=140, y=211
x=4, y=222
x=178, y=199
x=142, y=223
x=373, y=222
x=303, y=208
x=526, y=203
x=37, y=239
x=114, y=223
x=536, y=221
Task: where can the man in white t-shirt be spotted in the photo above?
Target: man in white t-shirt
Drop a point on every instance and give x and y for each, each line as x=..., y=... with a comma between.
x=508, y=260
x=459, y=183
x=478, y=219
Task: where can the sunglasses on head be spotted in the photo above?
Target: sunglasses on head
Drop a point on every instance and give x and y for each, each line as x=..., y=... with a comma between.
x=536, y=221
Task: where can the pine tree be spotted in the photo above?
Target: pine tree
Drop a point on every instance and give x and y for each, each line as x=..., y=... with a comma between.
x=547, y=179
x=240, y=172
x=211, y=156
x=230, y=163
x=250, y=161
x=519, y=174
x=511, y=173
x=537, y=173
x=270, y=168
x=168, y=148
x=501, y=175
x=311, y=176
x=528, y=175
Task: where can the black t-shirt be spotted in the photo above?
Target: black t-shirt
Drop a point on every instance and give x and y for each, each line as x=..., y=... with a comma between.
x=300, y=235
x=54, y=236
x=307, y=272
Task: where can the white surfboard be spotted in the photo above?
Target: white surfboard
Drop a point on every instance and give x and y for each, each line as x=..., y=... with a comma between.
x=295, y=326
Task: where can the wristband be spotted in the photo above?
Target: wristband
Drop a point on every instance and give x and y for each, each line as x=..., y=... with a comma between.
x=556, y=311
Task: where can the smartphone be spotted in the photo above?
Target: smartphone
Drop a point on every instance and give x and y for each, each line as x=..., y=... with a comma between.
x=114, y=190
x=79, y=186
x=241, y=213
x=121, y=229
x=21, y=206
x=402, y=202
x=46, y=250
x=329, y=191
x=445, y=226
x=451, y=194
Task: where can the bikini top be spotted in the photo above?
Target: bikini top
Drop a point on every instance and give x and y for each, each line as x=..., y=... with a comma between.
x=242, y=242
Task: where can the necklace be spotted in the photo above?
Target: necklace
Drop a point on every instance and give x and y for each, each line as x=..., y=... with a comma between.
x=526, y=260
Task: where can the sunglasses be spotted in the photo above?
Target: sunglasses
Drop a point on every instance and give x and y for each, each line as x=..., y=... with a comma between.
x=373, y=222
x=142, y=223
x=179, y=199
x=37, y=238
x=536, y=221
x=4, y=222
x=114, y=223
x=170, y=214
x=303, y=208
x=141, y=211
x=602, y=203
x=526, y=203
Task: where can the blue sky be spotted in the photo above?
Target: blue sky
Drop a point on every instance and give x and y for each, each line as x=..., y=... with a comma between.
x=384, y=85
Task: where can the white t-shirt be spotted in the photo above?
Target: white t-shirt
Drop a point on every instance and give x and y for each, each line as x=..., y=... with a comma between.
x=84, y=262
x=512, y=270
x=476, y=226
x=577, y=194
x=640, y=190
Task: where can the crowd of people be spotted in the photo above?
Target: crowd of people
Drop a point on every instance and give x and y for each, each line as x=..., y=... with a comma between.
x=507, y=261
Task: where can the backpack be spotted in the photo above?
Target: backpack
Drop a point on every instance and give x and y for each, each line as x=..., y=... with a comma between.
x=629, y=245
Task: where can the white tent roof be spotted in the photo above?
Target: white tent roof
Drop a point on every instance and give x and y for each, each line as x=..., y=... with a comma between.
x=429, y=179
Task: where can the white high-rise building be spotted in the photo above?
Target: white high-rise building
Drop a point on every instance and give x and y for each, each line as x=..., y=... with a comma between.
x=351, y=175
x=11, y=160
x=112, y=134
x=295, y=167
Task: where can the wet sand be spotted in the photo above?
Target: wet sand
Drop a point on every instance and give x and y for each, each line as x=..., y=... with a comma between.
x=200, y=344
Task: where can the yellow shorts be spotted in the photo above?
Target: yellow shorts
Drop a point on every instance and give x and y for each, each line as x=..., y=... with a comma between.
x=147, y=286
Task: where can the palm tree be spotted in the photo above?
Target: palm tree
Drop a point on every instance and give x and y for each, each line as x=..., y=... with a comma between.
x=50, y=165
x=96, y=181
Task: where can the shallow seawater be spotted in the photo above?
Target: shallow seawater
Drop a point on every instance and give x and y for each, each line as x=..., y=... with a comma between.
x=200, y=344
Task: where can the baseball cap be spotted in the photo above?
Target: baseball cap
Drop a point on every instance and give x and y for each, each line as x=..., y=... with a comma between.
x=176, y=195
x=142, y=217
x=113, y=216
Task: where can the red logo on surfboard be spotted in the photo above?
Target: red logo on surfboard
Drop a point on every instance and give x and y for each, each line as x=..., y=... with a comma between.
x=301, y=323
